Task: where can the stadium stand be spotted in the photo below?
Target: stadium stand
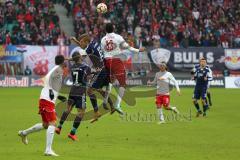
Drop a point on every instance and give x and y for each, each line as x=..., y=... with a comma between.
x=32, y=22
x=175, y=23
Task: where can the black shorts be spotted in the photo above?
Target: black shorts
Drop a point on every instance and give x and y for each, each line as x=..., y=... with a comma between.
x=77, y=101
x=100, y=79
x=200, y=92
x=77, y=97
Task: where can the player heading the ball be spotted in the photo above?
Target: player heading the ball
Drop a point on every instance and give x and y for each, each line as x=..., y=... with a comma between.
x=112, y=44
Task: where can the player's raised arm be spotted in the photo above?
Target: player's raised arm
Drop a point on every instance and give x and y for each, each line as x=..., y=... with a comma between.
x=74, y=39
x=209, y=75
x=125, y=45
x=83, y=41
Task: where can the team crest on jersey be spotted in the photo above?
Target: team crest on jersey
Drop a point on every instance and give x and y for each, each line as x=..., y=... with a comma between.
x=232, y=59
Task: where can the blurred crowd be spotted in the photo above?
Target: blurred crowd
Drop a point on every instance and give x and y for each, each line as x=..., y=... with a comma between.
x=177, y=23
x=32, y=22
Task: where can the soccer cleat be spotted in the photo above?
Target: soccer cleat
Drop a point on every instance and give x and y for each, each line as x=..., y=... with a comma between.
x=58, y=130
x=119, y=110
x=161, y=122
x=51, y=153
x=72, y=136
x=210, y=103
x=112, y=110
x=175, y=110
x=24, y=137
x=96, y=116
x=204, y=114
x=199, y=113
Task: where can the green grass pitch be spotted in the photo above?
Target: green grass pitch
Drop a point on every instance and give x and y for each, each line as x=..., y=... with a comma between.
x=215, y=137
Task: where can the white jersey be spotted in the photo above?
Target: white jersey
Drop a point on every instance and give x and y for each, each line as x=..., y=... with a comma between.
x=52, y=81
x=111, y=44
x=163, y=81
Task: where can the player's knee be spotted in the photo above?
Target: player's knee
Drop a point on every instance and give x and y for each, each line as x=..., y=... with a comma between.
x=90, y=91
x=68, y=110
x=194, y=101
x=81, y=112
x=122, y=84
x=166, y=107
x=204, y=101
x=45, y=125
x=52, y=123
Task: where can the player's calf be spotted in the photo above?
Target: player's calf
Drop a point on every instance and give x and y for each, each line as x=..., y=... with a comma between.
x=205, y=107
x=62, y=120
x=50, y=135
x=76, y=124
x=199, y=112
x=209, y=98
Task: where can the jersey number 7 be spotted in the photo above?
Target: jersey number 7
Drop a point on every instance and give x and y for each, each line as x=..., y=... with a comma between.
x=75, y=80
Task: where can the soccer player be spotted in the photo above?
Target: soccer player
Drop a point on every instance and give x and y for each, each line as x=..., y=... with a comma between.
x=112, y=44
x=77, y=97
x=209, y=100
x=163, y=79
x=202, y=76
x=49, y=93
x=101, y=76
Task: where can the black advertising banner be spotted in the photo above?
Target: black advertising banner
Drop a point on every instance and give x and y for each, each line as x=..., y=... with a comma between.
x=182, y=82
x=183, y=59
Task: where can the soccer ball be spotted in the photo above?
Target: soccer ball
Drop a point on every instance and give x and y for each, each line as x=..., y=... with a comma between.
x=101, y=8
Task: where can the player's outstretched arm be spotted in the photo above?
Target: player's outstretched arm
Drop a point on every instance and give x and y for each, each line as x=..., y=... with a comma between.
x=149, y=82
x=74, y=39
x=125, y=45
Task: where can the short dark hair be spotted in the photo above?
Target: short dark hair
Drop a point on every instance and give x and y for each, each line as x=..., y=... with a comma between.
x=59, y=59
x=76, y=56
x=109, y=28
x=202, y=59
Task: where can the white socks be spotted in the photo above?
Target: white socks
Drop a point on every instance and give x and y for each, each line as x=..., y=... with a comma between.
x=160, y=114
x=108, y=91
x=50, y=135
x=37, y=127
x=119, y=97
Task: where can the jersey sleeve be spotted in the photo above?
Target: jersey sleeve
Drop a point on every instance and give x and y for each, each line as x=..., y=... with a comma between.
x=171, y=78
x=120, y=39
x=209, y=75
x=48, y=78
x=56, y=79
x=102, y=44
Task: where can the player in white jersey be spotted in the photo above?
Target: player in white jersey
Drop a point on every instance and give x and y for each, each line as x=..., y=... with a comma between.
x=49, y=94
x=164, y=79
x=112, y=44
